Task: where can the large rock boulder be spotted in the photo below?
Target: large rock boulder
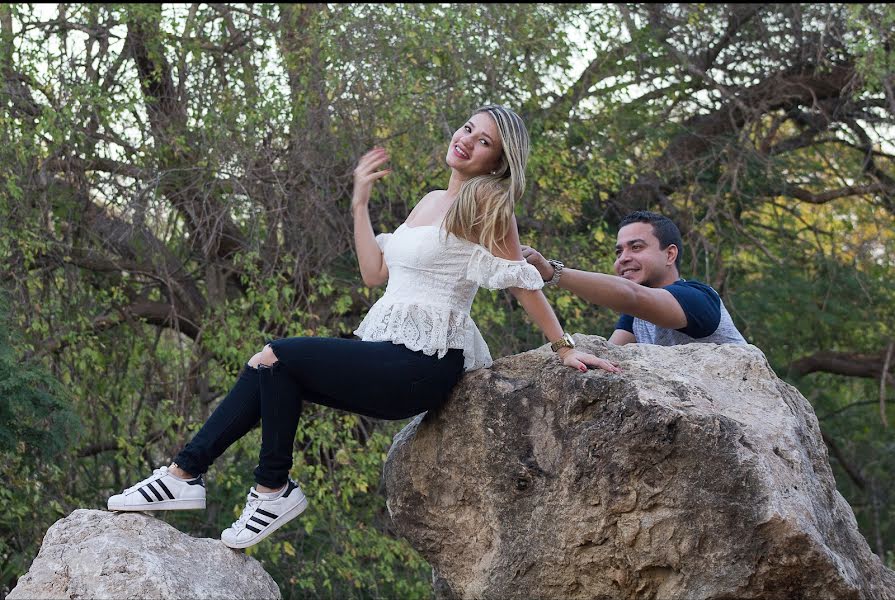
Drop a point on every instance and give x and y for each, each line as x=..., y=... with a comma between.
x=98, y=554
x=695, y=473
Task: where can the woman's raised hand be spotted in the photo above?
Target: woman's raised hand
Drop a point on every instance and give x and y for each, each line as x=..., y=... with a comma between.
x=366, y=173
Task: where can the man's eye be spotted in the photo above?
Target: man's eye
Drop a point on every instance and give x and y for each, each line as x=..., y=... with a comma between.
x=466, y=127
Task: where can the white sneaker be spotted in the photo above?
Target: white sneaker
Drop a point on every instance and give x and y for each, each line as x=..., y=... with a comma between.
x=264, y=514
x=162, y=491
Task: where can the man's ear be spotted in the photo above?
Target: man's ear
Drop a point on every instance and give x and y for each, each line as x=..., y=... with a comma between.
x=671, y=254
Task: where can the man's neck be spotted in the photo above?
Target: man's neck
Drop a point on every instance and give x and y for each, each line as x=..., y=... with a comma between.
x=665, y=281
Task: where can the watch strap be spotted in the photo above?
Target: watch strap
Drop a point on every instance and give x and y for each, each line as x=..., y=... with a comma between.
x=557, y=272
x=565, y=341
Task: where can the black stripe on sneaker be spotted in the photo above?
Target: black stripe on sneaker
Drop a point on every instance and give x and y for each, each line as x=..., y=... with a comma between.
x=257, y=520
x=292, y=486
x=266, y=514
x=154, y=492
x=253, y=494
x=164, y=487
x=250, y=528
x=145, y=495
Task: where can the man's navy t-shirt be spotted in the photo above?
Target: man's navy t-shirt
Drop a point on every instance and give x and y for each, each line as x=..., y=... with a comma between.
x=707, y=319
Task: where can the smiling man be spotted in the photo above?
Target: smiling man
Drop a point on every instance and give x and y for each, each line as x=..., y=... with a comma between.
x=657, y=306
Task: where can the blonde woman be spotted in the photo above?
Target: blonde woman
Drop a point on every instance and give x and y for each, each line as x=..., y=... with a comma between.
x=415, y=342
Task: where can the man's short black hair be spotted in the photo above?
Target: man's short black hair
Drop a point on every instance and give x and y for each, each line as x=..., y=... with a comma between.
x=663, y=228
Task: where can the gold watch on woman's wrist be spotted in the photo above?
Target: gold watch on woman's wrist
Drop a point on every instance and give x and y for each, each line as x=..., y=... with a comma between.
x=565, y=341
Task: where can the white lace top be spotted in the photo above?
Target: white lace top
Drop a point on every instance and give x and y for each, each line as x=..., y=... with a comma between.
x=433, y=278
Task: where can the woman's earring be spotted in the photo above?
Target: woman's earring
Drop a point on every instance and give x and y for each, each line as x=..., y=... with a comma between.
x=494, y=172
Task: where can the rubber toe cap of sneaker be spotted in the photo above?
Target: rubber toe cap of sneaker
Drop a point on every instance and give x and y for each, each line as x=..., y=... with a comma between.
x=229, y=536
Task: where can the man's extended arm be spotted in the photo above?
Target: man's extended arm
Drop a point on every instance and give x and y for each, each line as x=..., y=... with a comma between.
x=657, y=306
x=654, y=305
x=620, y=337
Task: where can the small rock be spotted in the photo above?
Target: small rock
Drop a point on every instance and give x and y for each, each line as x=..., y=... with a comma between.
x=97, y=554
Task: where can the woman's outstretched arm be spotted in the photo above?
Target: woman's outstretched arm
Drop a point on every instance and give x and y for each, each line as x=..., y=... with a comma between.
x=373, y=269
x=535, y=304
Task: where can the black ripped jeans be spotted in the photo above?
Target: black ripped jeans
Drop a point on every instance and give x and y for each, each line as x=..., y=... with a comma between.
x=375, y=379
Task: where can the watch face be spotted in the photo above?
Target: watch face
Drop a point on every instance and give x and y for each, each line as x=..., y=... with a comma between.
x=565, y=341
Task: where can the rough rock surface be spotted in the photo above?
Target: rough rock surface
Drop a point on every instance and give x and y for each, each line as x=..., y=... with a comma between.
x=99, y=554
x=695, y=473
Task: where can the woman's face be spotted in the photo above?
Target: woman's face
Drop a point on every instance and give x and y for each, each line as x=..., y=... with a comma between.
x=475, y=148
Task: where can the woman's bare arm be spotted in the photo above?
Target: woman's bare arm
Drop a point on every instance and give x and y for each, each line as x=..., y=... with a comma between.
x=372, y=265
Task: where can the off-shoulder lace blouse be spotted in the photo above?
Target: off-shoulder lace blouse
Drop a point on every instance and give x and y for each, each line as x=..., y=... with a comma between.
x=433, y=279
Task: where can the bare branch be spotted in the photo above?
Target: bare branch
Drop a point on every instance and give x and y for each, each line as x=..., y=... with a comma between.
x=851, y=364
x=854, y=473
x=882, y=385
x=154, y=313
x=698, y=145
x=97, y=163
x=108, y=446
x=824, y=197
x=195, y=200
x=740, y=14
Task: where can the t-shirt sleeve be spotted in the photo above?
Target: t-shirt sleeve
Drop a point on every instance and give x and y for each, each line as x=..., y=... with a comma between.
x=701, y=305
x=625, y=322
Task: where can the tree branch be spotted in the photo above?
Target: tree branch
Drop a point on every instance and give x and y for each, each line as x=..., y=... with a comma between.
x=606, y=65
x=823, y=197
x=702, y=134
x=193, y=198
x=882, y=385
x=107, y=165
x=107, y=446
x=851, y=364
x=853, y=473
x=154, y=313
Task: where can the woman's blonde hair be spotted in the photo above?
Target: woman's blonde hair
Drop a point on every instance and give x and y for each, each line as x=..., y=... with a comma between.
x=484, y=208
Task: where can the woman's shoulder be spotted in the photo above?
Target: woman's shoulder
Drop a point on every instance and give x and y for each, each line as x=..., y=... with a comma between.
x=427, y=207
x=432, y=196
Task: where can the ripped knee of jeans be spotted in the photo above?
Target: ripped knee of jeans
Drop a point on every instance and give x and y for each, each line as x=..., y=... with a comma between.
x=264, y=359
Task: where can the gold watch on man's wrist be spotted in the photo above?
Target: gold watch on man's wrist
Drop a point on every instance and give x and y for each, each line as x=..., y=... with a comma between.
x=565, y=341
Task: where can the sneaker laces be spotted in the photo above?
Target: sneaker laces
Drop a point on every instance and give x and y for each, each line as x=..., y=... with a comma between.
x=161, y=471
x=252, y=503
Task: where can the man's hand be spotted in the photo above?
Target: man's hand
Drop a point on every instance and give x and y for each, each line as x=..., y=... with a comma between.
x=540, y=263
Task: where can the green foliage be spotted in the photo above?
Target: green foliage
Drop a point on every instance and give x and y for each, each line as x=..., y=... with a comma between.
x=37, y=426
x=109, y=205
x=872, y=43
x=832, y=283
x=35, y=420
